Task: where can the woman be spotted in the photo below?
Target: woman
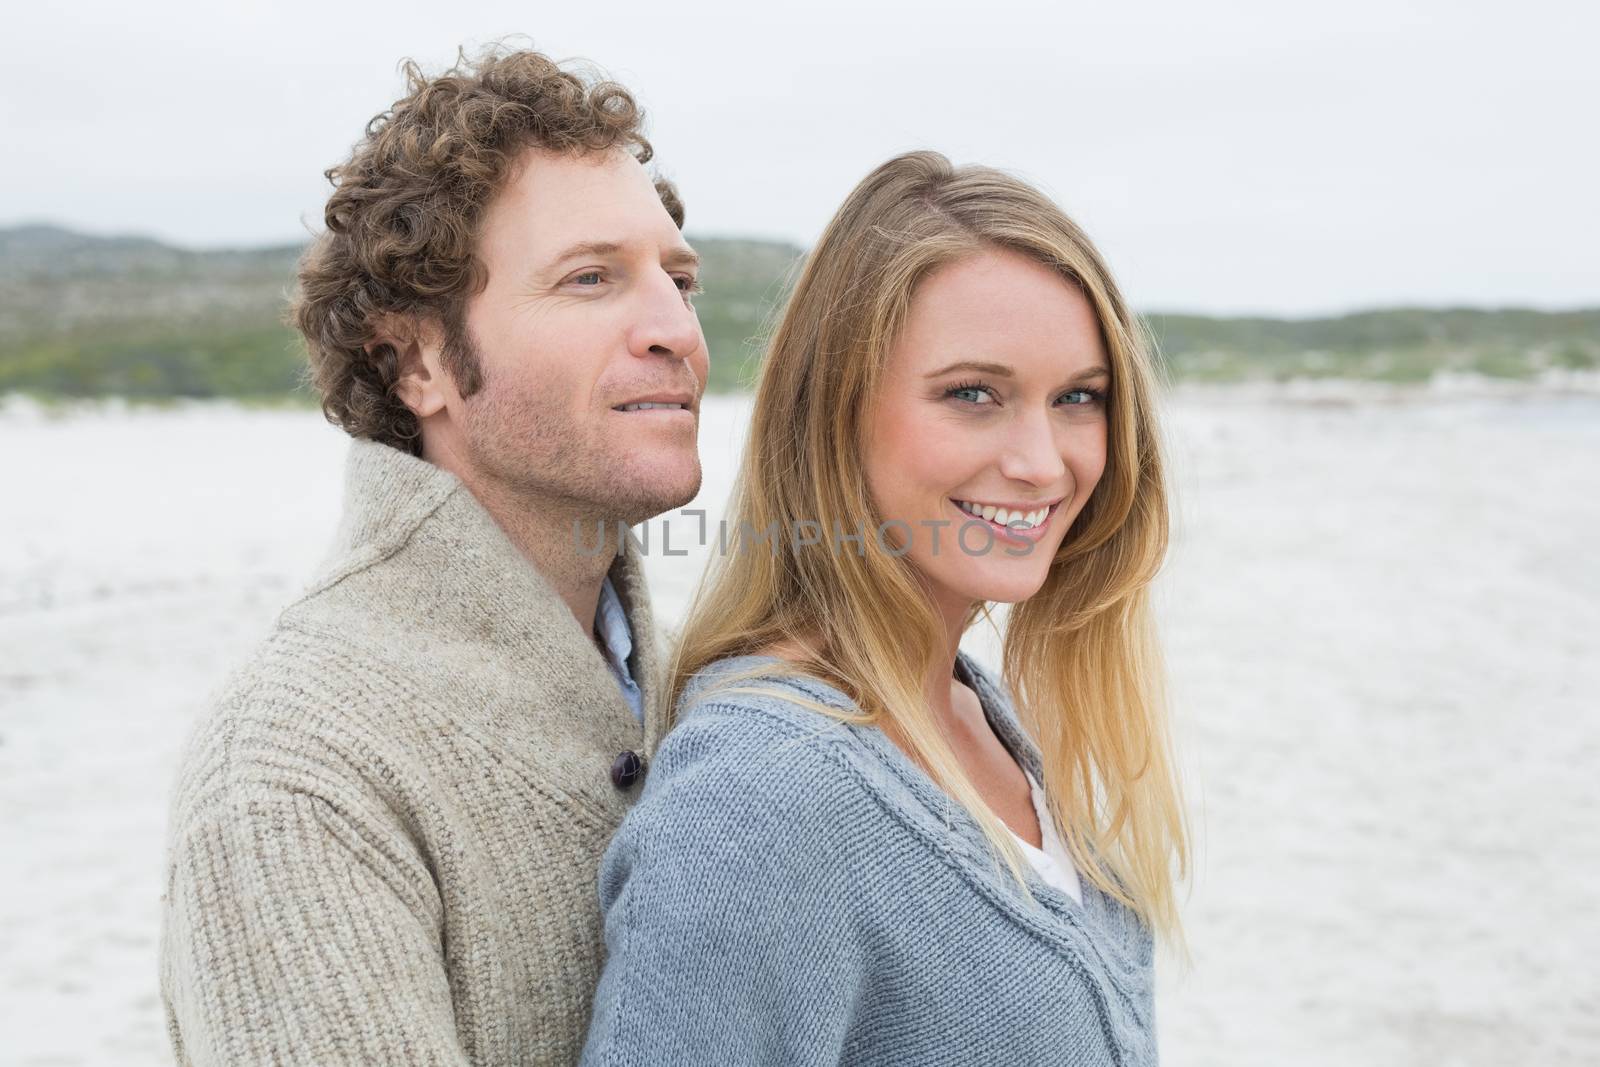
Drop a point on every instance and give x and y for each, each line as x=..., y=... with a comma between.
x=852, y=848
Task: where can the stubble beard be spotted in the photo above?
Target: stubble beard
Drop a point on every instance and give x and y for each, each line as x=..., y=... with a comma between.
x=540, y=459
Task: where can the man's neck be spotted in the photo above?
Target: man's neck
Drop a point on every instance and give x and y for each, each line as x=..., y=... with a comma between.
x=553, y=536
x=548, y=537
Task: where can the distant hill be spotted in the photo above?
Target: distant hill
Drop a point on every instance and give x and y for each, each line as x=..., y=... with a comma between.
x=86, y=316
x=129, y=316
x=1392, y=344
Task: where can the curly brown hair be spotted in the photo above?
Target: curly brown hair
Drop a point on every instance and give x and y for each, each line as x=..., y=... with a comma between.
x=402, y=222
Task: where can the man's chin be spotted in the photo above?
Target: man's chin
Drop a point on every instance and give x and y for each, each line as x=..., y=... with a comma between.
x=649, y=494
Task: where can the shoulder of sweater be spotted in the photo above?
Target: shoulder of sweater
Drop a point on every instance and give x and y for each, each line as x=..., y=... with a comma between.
x=752, y=790
x=307, y=712
x=758, y=751
x=764, y=736
x=730, y=727
x=774, y=703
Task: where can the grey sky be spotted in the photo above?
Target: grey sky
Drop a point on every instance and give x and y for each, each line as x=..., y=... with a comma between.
x=1249, y=157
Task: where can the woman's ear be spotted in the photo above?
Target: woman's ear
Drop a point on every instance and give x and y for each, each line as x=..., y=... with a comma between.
x=422, y=385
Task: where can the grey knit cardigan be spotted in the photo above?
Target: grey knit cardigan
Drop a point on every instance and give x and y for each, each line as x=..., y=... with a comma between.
x=791, y=890
x=384, y=839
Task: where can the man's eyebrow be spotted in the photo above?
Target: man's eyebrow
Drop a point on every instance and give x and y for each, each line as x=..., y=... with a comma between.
x=588, y=248
x=677, y=257
x=682, y=257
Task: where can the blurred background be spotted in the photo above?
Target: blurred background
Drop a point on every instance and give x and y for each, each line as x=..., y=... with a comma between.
x=1362, y=235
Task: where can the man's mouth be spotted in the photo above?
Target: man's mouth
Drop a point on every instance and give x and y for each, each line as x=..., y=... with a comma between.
x=669, y=400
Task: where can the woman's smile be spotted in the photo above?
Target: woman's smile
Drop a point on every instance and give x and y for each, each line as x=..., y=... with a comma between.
x=1031, y=523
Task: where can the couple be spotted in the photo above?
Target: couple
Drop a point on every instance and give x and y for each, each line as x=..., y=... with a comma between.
x=461, y=808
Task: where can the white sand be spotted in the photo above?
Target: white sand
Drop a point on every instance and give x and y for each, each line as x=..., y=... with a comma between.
x=1382, y=620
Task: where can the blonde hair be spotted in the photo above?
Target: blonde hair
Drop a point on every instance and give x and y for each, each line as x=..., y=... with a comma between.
x=1080, y=656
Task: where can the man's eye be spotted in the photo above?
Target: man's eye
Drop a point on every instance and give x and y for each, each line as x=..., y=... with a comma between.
x=580, y=278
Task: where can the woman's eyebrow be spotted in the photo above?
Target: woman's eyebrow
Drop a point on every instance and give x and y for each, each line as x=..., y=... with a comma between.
x=1004, y=370
x=999, y=370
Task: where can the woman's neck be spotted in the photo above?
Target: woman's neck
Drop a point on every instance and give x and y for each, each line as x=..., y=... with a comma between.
x=940, y=687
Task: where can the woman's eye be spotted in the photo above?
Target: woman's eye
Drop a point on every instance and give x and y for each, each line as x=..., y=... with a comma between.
x=971, y=394
x=579, y=279
x=1083, y=397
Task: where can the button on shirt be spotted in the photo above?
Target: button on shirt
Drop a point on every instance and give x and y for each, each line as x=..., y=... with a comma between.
x=616, y=643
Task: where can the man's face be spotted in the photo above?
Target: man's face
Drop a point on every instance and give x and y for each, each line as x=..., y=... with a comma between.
x=587, y=309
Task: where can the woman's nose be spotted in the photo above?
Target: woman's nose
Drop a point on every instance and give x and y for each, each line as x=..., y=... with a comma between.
x=1033, y=452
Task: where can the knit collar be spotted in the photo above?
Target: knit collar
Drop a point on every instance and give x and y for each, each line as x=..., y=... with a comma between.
x=451, y=572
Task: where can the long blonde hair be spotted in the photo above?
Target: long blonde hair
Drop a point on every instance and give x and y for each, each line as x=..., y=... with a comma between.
x=1080, y=656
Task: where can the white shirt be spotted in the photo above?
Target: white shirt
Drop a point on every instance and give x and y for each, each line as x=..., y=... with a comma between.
x=1052, y=861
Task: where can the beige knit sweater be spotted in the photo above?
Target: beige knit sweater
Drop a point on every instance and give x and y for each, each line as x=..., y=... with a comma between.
x=384, y=838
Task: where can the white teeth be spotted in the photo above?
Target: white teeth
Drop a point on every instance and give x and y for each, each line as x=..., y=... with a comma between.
x=647, y=406
x=1003, y=517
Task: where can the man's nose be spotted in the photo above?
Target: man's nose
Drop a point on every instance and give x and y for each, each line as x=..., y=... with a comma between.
x=666, y=324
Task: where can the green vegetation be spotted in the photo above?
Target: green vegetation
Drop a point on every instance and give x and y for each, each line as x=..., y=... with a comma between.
x=85, y=316
x=744, y=282
x=1392, y=345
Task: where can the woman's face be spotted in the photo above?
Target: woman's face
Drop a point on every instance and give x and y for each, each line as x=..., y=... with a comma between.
x=992, y=412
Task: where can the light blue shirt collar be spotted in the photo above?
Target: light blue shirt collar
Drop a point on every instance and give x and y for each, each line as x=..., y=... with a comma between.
x=616, y=643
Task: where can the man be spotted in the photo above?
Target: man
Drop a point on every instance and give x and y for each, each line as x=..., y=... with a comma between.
x=384, y=839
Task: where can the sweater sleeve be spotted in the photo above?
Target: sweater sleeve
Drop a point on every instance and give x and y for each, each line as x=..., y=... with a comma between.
x=732, y=934
x=297, y=932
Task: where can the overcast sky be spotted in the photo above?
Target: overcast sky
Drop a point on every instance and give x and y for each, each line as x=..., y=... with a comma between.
x=1267, y=157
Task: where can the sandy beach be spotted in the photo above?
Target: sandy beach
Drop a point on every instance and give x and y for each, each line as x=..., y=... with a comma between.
x=1382, y=615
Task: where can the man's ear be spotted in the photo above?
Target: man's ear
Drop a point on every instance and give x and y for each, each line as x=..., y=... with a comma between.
x=422, y=384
